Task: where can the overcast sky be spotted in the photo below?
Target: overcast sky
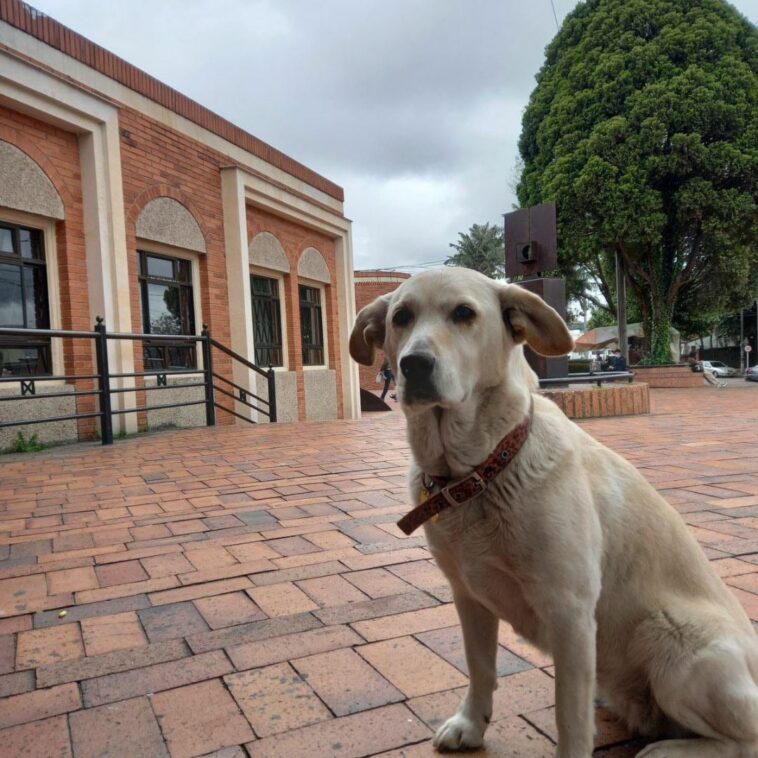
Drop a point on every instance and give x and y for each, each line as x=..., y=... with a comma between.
x=413, y=106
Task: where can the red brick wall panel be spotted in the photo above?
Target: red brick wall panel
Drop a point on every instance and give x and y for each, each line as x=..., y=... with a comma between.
x=366, y=291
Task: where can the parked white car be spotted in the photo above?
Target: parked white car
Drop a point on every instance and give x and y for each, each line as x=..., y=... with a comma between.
x=719, y=369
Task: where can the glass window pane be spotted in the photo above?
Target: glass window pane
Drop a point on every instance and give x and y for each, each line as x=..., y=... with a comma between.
x=30, y=241
x=22, y=360
x=183, y=271
x=264, y=286
x=161, y=267
x=163, y=309
x=6, y=240
x=35, y=292
x=11, y=302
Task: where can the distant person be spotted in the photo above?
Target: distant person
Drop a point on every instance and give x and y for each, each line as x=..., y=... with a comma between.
x=389, y=377
x=618, y=362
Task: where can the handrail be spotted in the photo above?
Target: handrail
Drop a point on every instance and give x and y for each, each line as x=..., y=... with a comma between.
x=100, y=336
x=589, y=378
x=237, y=357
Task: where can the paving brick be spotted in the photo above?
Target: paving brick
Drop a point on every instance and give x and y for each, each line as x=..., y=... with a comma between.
x=154, y=532
x=125, y=572
x=608, y=729
x=161, y=676
x=252, y=551
x=275, y=699
x=350, y=736
x=519, y=693
x=448, y=644
x=166, y=565
x=252, y=632
x=15, y=624
x=47, y=738
x=281, y=648
x=15, y=594
x=292, y=546
x=369, y=609
x=345, y=682
x=749, y=602
x=40, y=704
x=378, y=582
x=188, y=526
x=411, y=622
x=42, y=646
x=411, y=667
x=281, y=600
x=226, y=572
x=230, y=609
x=105, y=634
x=167, y=622
x=297, y=573
x=31, y=548
x=199, y=719
x=91, y=610
x=330, y=540
x=124, y=590
x=139, y=553
x=331, y=590
x=14, y=684
x=68, y=541
x=508, y=638
x=128, y=728
x=7, y=653
x=210, y=558
x=110, y=663
x=199, y=590
x=421, y=574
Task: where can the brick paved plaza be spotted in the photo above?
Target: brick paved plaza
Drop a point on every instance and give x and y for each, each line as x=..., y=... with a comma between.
x=245, y=591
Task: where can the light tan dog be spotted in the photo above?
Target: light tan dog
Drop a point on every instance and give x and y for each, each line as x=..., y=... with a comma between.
x=569, y=544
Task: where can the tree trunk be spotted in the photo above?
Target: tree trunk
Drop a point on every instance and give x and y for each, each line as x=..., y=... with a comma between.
x=658, y=332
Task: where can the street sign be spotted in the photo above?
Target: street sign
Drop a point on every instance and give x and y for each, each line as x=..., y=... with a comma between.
x=748, y=348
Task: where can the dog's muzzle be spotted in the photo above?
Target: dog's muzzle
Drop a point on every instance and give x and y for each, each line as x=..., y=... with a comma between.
x=418, y=377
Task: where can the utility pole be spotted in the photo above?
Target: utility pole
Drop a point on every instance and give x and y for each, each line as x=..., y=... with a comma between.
x=621, y=307
x=742, y=340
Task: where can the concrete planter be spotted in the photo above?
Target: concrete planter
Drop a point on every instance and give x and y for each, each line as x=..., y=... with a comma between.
x=675, y=375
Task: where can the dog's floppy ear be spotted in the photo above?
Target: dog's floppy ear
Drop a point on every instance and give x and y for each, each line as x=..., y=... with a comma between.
x=368, y=332
x=533, y=321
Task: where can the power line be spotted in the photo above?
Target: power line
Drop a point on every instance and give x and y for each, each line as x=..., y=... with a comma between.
x=555, y=15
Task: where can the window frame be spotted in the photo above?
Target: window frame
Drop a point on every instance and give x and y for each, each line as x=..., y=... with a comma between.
x=52, y=346
x=166, y=252
x=277, y=277
x=322, y=309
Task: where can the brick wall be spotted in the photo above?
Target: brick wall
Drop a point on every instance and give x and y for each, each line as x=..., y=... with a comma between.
x=295, y=239
x=57, y=153
x=368, y=286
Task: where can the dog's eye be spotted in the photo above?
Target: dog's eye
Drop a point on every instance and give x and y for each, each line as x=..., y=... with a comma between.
x=402, y=317
x=463, y=313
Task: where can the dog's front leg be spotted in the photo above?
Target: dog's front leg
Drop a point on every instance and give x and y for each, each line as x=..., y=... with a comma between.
x=573, y=643
x=466, y=728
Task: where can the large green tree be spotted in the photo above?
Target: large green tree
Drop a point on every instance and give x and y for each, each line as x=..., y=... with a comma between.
x=643, y=128
x=481, y=248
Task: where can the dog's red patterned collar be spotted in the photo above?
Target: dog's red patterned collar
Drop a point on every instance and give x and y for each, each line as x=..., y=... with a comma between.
x=460, y=491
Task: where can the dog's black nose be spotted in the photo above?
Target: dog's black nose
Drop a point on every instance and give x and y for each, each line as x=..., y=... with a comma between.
x=417, y=366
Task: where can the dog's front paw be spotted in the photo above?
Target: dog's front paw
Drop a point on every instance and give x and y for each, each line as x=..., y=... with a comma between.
x=459, y=733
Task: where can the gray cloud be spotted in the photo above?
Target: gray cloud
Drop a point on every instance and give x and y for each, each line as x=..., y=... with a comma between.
x=413, y=106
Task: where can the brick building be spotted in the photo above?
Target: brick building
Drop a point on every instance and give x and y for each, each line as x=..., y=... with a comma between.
x=122, y=198
x=368, y=286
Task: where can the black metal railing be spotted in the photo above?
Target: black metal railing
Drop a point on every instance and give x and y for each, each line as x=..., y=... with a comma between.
x=104, y=391
x=592, y=377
